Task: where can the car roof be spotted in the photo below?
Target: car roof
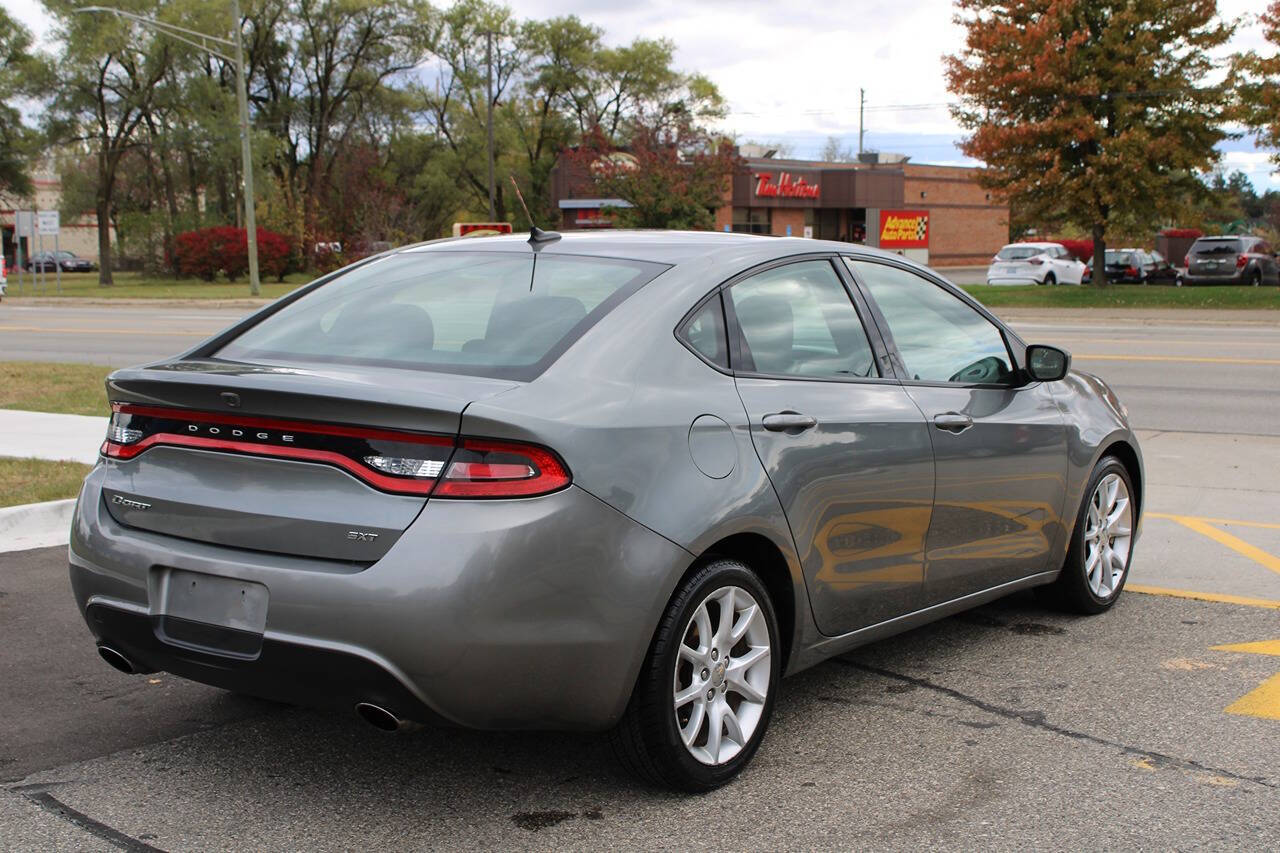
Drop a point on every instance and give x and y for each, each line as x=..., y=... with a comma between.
x=1033, y=245
x=666, y=247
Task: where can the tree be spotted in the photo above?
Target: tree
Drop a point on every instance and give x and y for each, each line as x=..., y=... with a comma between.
x=1090, y=111
x=1259, y=84
x=109, y=70
x=836, y=152
x=672, y=178
x=21, y=73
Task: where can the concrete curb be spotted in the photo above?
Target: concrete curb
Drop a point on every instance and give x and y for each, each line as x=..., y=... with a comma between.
x=36, y=525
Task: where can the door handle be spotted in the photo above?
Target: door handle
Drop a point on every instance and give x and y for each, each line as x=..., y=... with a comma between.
x=953, y=422
x=788, y=422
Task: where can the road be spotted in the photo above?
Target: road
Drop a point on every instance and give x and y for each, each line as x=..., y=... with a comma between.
x=1006, y=727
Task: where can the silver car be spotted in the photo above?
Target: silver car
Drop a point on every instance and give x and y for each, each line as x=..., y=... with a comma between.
x=611, y=481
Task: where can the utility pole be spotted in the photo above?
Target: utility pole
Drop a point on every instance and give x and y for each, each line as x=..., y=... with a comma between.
x=488, y=102
x=862, y=102
x=201, y=41
x=246, y=154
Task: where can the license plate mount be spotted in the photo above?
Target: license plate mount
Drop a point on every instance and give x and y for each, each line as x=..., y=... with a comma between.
x=213, y=613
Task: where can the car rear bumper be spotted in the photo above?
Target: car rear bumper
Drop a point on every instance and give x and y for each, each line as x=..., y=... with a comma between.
x=1012, y=279
x=531, y=613
x=1237, y=277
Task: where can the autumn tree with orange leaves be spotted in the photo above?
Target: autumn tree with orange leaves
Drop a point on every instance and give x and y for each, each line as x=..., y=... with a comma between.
x=1091, y=112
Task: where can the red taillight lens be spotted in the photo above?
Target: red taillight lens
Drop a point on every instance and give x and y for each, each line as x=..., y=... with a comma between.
x=389, y=460
x=501, y=469
x=1186, y=260
x=1132, y=272
x=1035, y=262
x=1241, y=260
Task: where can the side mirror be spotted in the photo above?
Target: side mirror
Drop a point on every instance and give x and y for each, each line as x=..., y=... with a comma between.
x=1046, y=363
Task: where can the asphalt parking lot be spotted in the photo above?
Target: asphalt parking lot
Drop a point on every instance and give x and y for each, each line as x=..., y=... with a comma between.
x=1006, y=727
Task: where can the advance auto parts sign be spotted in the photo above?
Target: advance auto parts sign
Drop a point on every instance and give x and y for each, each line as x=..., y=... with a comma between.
x=904, y=229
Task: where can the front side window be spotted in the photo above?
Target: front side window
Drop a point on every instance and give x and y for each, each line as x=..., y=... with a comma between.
x=497, y=314
x=797, y=320
x=940, y=337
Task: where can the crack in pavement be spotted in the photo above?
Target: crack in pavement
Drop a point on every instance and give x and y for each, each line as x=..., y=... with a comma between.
x=39, y=795
x=1036, y=720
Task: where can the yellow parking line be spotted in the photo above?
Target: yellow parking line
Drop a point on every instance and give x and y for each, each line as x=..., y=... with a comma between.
x=1219, y=597
x=1187, y=358
x=1267, y=525
x=171, y=334
x=1264, y=700
x=1236, y=544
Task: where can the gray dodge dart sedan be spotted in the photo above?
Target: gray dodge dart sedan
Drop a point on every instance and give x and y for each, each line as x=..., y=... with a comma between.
x=614, y=481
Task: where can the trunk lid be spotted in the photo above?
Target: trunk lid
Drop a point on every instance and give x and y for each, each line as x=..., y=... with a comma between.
x=290, y=459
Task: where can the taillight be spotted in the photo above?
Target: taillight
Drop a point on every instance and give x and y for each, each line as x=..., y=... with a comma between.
x=1241, y=260
x=1186, y=260
x=1035, y=262
x=501, y=469
x=1132, y=272
x=389, y=460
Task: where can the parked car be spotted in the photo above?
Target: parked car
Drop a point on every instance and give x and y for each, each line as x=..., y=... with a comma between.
x=1137, y=266
x=51, y=261
x=1035, y=263
x=1231, y=260
x=626, y=487
x=4, y=276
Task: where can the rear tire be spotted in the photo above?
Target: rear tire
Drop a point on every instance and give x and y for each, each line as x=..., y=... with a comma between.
x=1101, y=549
x=670, y=744
x=1050, y=279
x=1255, y=280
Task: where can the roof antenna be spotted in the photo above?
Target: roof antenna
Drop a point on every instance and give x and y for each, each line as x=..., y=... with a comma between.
x=536, y=235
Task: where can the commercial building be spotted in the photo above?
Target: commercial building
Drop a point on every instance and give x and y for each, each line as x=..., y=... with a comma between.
x=78, y=234
x=934, y=214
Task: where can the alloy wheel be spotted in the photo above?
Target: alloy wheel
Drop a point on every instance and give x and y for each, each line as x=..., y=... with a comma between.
x=1108, y=533
x=721, y=678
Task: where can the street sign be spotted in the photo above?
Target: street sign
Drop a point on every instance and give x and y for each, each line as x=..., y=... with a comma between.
x=24, y=224
x=47, y=222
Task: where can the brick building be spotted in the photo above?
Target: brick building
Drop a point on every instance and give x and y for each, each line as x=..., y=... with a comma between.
x=78, y=234
x=934, y=214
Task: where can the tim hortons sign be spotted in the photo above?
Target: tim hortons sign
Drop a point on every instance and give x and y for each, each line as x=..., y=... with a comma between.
x=785, y=187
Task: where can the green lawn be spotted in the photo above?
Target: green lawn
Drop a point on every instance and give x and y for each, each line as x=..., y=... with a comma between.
x=36, y=386
x=132, y=285
x=29, y=481
x=1124, y=296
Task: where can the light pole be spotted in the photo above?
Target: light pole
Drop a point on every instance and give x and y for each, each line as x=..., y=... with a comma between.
x=202, y=41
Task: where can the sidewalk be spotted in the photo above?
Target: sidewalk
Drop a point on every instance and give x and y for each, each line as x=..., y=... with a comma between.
x=38, y=435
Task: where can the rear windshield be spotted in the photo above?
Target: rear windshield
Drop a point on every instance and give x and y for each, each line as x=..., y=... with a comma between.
x=1019, y=253
x=493, y=314
x=1217, y=247
x=1114, y=257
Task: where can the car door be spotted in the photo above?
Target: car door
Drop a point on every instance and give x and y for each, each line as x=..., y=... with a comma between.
x=846, y=449
x=999, y=445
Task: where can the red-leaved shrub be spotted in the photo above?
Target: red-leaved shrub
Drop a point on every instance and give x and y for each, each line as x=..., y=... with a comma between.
x=1082, y=249
x=1183, y=233
x=224, y=249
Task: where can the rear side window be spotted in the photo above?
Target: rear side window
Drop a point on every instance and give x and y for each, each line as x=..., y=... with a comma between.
x=503, y=315
x=704, y=332
x=797, y=320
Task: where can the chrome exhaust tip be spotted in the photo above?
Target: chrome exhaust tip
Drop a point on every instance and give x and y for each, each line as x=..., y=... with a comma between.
x=118, y=660
x=380, y=718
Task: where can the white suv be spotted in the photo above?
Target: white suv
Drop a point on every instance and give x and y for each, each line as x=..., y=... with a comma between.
x=1035, y=263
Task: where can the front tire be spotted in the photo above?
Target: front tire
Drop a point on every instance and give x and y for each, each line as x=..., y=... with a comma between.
x=705, y=693
x=1102, y=541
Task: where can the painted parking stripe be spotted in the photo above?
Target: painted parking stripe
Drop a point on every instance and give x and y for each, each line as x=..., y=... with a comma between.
x=1181, y=358
x=1205, y=528
x=1264, y=700
x=1217, y=597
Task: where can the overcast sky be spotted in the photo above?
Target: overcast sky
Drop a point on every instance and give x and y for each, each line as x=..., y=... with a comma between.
x=791, y=71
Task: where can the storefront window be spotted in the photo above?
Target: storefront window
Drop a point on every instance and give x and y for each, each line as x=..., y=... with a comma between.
x=751, y=220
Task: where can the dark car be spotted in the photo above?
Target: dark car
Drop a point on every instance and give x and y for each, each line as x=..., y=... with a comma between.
x=1232, y=260
x=1137, y=266
x=614, y=481
x=51, y=261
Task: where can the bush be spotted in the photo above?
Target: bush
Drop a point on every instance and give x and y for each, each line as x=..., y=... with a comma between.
x=224, y=249
x=1081, y=249
x=1182, y=233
